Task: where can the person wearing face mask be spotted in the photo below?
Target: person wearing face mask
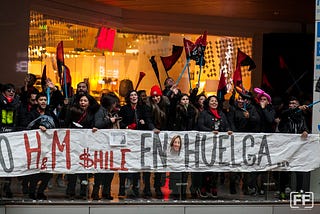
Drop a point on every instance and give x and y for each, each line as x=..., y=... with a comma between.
x=9, y=104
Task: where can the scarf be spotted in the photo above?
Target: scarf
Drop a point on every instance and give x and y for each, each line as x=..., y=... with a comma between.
x=215, y=113
x=10, y=99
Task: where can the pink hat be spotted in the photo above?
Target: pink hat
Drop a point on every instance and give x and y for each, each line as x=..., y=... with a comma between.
x=261, y=93
x=155, y=91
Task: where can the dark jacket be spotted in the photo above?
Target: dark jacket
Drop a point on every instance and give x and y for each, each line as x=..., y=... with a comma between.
x=185, y=118
x=208, y=122
x=292, y=121
x=267, y=116
x=242, y=124
x=76, y=117
x=48, y=120
x=133, y=116
x=102, y=119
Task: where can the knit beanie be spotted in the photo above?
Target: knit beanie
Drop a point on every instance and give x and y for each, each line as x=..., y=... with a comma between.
x=155, y=91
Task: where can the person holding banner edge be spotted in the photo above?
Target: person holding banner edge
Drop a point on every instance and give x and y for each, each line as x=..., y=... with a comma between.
x=105, y=119
x=41, y=118
x=214, y=120
x=292, y=121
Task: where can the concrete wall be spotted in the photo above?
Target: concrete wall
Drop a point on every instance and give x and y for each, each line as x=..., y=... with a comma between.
x=14, y=39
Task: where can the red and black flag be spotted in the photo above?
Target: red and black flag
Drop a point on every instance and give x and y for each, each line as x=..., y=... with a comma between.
x=222, y=87
x=63, y=71
x=67, y=88
x=188, y=47
x=242, y=60
x=60, y=60
x=155, y=68
x=201, y=44
x=169, y=61
x=195, y=51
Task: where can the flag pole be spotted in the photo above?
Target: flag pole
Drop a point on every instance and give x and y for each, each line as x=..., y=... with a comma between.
x=184, y=68
x=310, y=105
x=65, y=81
x=189, y=76
x=201, y=58
x=48, y=95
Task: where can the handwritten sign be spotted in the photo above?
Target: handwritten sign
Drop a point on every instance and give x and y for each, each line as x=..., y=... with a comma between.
x=110, y=150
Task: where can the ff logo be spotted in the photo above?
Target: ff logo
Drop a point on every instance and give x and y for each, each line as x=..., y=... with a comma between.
x=301, y=200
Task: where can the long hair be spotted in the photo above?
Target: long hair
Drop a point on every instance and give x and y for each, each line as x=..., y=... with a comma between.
x=171, y=144
x=127, y=98
x=159, y=111
x=206, y=102
x=92, y=108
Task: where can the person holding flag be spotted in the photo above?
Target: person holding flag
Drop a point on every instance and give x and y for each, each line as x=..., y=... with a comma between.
x=63, y=72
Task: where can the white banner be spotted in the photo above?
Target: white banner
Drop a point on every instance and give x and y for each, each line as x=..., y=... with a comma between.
x=110, y=150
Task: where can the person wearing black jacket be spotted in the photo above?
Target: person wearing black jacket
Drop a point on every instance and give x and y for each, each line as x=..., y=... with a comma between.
x=212, y=119
x=40, y=118
x=105, y=118
x=293, y=121
x=9, y=104
x=80, y=115
x=185, y=120
x=244, y=117
x=134, y=116
x=159, y=111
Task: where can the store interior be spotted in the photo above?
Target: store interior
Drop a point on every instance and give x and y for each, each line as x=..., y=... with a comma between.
x=104, y=56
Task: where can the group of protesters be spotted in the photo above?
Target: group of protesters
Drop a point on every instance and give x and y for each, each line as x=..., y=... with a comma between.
x=161, y=110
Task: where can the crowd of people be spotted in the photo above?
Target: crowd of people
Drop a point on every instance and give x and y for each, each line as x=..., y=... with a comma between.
x=167, y=109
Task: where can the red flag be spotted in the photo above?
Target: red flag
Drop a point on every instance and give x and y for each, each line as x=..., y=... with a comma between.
x=196, y=50
x=265, y=81
x=242, y=60
x=169, y=61
x=237, y=78
x=188, y=47
x=66, y=86
x=60, y=60
x=282, y=63
x=105, y=38
x=68, y=75
x=201, y=44
x=202, y=40
x=222, y=87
